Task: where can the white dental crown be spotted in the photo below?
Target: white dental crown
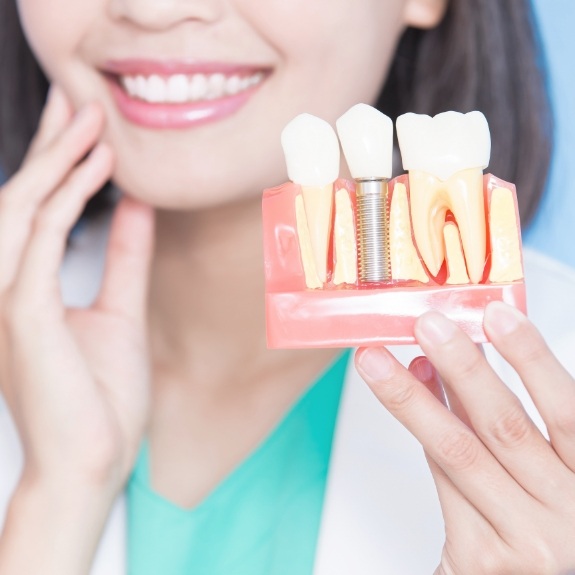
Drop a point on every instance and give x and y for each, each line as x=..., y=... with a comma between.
x=444, y=144
x=366, y=137
x=311, y=150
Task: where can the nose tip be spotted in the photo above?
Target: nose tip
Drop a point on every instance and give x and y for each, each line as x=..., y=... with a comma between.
x=164, y=14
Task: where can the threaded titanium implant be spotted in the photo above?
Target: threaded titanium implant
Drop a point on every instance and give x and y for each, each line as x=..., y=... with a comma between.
x=372, y=223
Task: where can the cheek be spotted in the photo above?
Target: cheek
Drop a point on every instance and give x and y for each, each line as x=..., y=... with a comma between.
x=333, y=53
x=54, y=30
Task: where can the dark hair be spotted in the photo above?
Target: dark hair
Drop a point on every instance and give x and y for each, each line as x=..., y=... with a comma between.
x=484, y=55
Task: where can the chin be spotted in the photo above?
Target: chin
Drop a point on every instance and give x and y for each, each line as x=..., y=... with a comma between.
x=170, y=188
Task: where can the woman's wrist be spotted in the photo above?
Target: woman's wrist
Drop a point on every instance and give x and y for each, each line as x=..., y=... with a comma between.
x=64, y=522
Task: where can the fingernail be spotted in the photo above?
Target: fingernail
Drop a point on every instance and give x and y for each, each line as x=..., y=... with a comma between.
x=502, y=318
x=435, y=328
x=376, y=363
x=422, y=369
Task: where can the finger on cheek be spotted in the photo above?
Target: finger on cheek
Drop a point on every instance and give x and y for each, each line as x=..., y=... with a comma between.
x=57, y=114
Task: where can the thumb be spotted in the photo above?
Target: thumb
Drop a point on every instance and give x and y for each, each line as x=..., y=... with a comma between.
x=126, y=277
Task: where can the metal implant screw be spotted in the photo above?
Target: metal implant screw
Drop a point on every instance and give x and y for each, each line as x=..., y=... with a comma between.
x=372, y=222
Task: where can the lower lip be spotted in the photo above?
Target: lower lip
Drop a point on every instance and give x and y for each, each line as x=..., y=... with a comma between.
x=177, y=116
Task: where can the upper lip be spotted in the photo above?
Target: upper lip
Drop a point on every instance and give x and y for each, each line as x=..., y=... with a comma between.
x=147, y=67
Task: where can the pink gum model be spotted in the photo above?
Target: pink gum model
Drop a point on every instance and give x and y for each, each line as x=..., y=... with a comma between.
x=363, y=314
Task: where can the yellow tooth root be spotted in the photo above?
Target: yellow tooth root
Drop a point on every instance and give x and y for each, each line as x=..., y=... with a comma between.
x=457, y=272
x=312, y=280
x=405, y=262
x=318, y=202
x=344, y=240
x=506, y=263
x=430, y=198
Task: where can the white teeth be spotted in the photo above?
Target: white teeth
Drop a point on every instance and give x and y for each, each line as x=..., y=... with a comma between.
x=445, y=144
x=179, y=88
x=130, y=85
x=198, y=87
x=157, y=89
x=311, y=150
x=367, y=140
x=216, y=86
x=233, y=85
x=141, y=87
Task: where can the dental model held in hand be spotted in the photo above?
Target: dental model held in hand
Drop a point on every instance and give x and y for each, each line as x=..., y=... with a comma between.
x=356, y=263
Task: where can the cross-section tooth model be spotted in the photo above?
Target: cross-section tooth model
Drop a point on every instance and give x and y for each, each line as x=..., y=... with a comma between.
x=445, y=157
x=442, y=237
x=312, y=156
x=366, y=137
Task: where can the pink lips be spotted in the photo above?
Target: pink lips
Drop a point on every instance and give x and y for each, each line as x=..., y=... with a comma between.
x=176, y=116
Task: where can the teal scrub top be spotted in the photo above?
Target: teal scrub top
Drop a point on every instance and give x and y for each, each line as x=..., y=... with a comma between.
x=262, y=519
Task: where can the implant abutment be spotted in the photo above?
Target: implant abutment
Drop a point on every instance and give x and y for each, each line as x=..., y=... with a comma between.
x=372, y=224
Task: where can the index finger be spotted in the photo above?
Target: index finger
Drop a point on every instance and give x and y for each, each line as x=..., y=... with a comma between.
x=56, y=116
x=451, y=444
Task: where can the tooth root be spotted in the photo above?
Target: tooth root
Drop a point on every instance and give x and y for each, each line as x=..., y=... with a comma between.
x=465, y=189
x=344, y=240
x=405, y=262
x=506, y=263
x=431, y=197
x=318, y=202
x=457, y=273
x=307, y=258
x=428, y=209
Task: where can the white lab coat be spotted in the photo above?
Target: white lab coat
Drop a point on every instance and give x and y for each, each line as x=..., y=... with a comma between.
x=381, y=513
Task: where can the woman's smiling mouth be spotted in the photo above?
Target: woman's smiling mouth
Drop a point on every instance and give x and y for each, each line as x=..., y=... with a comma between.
x=172, y=95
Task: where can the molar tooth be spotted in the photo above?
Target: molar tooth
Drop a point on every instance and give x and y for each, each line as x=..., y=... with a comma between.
x=445, y=144
x=445, y=156
x=312, y=155
x=430, y=200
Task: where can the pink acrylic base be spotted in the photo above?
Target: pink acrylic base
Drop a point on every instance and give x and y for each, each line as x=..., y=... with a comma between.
x=352, y=316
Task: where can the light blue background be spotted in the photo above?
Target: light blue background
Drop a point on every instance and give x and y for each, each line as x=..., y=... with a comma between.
x=553, y=230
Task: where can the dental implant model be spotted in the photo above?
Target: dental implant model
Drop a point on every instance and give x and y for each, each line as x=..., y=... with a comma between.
x=312, y=154
x=366, y=137
x=356, y=263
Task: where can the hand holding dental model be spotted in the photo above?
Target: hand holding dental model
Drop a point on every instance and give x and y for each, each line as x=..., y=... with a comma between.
x=351, y=264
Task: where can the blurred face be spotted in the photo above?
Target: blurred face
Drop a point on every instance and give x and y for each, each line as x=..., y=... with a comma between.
x=197, y=91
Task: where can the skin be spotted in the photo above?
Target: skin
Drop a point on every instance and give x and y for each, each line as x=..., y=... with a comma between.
x=505, y=491
x=184, y=217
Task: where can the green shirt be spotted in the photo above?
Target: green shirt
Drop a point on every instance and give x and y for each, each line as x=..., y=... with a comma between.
x=262, y=519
